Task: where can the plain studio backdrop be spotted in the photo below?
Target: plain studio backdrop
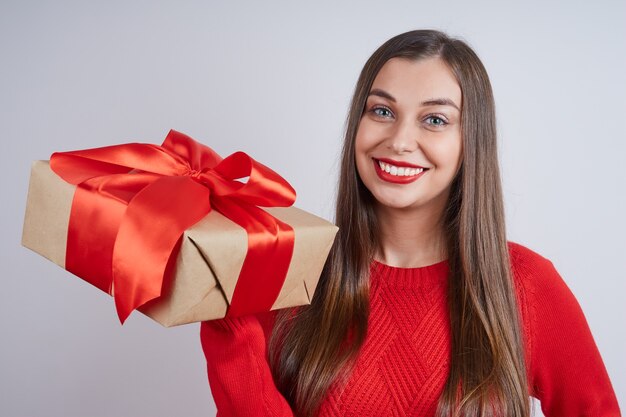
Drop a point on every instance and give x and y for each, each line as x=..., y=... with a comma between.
x=274, y=79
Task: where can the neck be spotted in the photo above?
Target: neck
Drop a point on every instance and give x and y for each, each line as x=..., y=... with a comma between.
x=410, y=239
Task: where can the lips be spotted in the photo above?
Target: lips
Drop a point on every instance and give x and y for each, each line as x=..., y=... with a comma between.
x=402, y=173
x=398, y=163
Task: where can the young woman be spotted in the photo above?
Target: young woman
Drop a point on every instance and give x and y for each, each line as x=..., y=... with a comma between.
x=423, y=308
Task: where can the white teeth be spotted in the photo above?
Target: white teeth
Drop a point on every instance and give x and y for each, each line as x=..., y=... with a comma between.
x=399, y=171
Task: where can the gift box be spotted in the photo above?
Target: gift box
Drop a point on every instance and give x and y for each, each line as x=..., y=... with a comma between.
x=175, y=231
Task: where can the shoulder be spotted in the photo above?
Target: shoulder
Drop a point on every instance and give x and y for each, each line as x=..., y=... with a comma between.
x=544, y=300
x=563, y=360
x=532, y=272
x=536, y=272
x=527, y=263
x=268, y=319
x=542, y=292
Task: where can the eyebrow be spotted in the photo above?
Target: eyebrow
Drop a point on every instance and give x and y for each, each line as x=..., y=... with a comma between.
x=431, y=102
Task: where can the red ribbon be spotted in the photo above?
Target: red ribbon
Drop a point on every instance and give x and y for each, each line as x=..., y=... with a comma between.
x=124, y=249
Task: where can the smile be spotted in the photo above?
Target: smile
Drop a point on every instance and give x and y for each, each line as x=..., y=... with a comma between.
x=397, y=174
x=399, y=171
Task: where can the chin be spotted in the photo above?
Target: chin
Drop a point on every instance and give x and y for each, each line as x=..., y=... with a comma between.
x=394, y=203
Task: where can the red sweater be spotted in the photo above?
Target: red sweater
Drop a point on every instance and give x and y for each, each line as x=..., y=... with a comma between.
x=404, y=363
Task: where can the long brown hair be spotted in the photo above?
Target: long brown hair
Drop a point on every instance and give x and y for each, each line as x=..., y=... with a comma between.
x=312, y=346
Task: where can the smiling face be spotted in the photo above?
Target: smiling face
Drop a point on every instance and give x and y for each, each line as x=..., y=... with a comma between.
x=408, y=143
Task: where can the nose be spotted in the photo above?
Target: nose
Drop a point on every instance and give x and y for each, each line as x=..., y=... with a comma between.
x=404, y=138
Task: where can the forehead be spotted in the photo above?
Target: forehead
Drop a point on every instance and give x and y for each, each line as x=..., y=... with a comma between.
x=413, y=81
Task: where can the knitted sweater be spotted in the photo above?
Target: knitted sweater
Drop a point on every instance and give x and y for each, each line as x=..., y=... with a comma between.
x=405, y=360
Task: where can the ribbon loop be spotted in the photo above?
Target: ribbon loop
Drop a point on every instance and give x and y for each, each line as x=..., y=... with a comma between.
x=134, y=201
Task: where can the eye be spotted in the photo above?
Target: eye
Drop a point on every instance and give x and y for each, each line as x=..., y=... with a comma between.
x=436, y=120
x=381, y=111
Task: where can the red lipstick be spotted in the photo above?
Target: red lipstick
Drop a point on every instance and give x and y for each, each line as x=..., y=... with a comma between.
x=385, y=176
x=397, y=163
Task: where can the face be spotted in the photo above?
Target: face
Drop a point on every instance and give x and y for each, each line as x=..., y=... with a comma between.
x=408, y=144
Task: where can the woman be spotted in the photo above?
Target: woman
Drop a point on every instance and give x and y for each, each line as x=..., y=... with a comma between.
x=423, y=308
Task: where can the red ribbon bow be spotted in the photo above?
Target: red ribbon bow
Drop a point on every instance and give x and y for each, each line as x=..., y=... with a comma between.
x=124, y=249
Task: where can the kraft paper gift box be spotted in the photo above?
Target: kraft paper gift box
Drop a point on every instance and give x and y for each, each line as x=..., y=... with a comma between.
x=206, y=266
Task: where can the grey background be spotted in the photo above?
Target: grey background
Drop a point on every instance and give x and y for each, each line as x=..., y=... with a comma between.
x=274, y=79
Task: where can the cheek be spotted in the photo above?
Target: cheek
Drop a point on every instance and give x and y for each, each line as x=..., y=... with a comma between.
x=457, y=154
x=361, y=147
x=366, y=136
x=362, y=159
x=445, y=155
x=359, y=141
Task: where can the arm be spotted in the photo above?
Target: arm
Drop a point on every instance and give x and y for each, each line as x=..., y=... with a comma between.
x=569, y=376
x=239, y=375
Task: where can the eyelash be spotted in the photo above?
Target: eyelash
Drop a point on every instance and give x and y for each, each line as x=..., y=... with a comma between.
x=437, y=116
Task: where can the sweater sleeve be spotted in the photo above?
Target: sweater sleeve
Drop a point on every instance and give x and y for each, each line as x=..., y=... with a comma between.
x=568, y=374
x=238, y=370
